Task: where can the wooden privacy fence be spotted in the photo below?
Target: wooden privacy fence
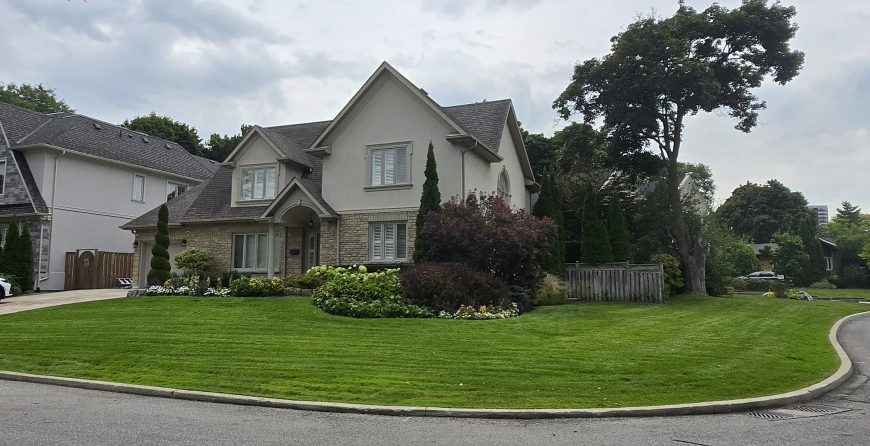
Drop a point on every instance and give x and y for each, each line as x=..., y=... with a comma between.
x=90, y=269
x=615, y=282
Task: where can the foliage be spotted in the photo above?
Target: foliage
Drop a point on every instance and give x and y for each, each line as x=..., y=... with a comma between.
x=541, y=151
x=551, y=292
x=224, y=278
x=16, y=257
x=160, y=266
x=37, y=98
x=814, y=268
x=661, y=70
x=776, y=287
x=729, y=256
x=759, y=211
x=849, y=214
x=673, y=274
x=852, y=276
x=823, y=285
x=790, y=257
x=446, y=286
x=157, y=290
x=430, y=202
x=219, y=147
x=169, y=129
x=310, y=280
x=195, y=261
x=487, y=236
x=356, y=292
x=482, y=313
x=549, y=205
x=617, y=230
x=13, y=280
x=595, y=243
x=257, y=287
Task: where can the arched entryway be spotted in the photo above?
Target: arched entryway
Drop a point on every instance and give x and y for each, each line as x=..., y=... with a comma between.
x=302, y=226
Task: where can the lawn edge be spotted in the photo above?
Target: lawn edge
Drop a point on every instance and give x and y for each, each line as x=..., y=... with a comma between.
x=843, y=373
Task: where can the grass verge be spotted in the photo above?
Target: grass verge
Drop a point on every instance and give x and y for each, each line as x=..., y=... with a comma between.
x=576, y=355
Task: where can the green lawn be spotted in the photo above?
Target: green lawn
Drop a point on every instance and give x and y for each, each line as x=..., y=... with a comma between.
x=825, y=293
x=577, y=355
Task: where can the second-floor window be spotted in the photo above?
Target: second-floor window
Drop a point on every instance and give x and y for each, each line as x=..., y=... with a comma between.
x=138, y=187
x=174, y=189
x=2, y=177
x=389, y=165
x=259, y=183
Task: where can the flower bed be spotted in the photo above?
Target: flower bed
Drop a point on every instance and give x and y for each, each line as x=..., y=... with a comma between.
x=482, y=313
x=157, y=290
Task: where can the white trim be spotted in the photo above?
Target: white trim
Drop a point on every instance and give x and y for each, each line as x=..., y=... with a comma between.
x=245, y=253
x=409, y=150
x=295, y=183
x=133, y=189
x=258, y=166
x=168, y=182
x=259, y=131
x=5, y=173
x=93, y=212
x=371, y=241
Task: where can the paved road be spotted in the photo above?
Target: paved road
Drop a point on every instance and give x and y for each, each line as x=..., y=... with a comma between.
x=26, y=302
x=33, y=414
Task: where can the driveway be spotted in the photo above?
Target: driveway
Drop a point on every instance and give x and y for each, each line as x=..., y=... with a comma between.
x=37, y=414
x=26, y=302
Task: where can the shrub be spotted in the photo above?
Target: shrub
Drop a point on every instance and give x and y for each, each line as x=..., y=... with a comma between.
x=312, y=279
x=551, y=292
x=194, y=261
x=257, y=287
x=487, y=236
x=778, y=288
x=447, y=286
x=768, y=295
x=481, y=313
x=823, y=284
x=225, y=278
x=13, y=280
x=156, y=290
x=852, y=276
x=356, y=292
x=673, y=273
x=160, y=266
x=393, y=306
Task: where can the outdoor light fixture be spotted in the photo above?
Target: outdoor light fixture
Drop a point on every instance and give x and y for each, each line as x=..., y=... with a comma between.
x=135, y=244
x=310, y=224
x=184, y=242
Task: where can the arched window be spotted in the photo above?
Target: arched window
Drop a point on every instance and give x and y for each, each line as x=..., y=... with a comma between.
x=503, y=189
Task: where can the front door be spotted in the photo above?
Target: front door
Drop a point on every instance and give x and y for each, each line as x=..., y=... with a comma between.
x=312, y=250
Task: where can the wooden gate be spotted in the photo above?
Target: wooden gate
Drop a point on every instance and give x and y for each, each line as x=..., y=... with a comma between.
x=90, y=269
x=615, y=282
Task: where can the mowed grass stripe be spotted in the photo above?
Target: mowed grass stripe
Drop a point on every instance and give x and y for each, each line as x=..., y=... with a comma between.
x=578, y=355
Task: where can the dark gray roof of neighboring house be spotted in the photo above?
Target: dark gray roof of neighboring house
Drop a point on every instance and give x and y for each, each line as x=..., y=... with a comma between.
x=828, y=240
x=93, y=137
x=177, y=207
x=19, y=122
x=27, y=176
x=483, y=120
x=16, y=209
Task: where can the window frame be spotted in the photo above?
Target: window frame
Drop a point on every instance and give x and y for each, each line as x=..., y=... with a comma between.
x=829, y=263
x=245, y=236
x=175, y=191
x=4, y=171
x=371, y=149
x=133, y=191
x=383, y=242
x=254, y=168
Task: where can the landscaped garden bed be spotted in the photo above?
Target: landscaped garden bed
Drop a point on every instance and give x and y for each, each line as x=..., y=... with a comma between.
x=577, y=355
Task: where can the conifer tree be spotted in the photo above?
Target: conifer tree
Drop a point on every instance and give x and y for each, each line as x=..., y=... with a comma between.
x=814, y=269
x=430, y=201
x=160, y=266
x=549, y=205
x=617, y=229
x=595, y=244
x=24, y=258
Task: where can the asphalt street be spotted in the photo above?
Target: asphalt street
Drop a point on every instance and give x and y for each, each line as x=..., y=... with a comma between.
x=35, y=414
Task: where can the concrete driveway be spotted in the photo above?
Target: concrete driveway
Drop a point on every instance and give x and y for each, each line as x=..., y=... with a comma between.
x=26, y=302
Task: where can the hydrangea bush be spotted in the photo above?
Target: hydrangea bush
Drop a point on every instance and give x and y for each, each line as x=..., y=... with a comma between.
x=358, y=293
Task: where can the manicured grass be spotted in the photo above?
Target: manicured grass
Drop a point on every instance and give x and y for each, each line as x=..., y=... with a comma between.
x=577, y=355
x=825, y=293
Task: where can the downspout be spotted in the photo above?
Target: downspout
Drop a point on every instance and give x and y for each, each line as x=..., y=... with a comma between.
x=51, y=222
x=338, y=241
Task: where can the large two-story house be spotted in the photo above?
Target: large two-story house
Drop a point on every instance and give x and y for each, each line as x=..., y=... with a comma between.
x=72, y=180
x=343, y=191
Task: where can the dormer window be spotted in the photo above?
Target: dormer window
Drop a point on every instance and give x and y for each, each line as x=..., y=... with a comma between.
x=259, y=183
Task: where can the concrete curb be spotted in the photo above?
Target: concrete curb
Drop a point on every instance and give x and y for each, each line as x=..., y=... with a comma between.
x=798, y=396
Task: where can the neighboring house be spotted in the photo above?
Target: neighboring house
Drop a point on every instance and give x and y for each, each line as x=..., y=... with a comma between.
x=764, y=253
x=344, y=191
x=831, y=254
x=72, y=180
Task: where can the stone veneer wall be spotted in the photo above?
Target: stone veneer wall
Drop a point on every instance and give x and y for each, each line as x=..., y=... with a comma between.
x=354, y=234
x=33, y=226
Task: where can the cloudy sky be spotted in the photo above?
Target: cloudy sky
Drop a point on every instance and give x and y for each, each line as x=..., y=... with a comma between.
x=218, y=64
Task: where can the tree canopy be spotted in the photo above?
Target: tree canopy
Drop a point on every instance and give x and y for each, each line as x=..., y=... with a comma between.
x=661, y=70
x=167, y=128
x=220, y=146
x=760, y=210
x=33, y=97
x=849, y=214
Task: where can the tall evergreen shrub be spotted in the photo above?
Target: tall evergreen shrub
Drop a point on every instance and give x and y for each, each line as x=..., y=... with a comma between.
x=160, y=266
x=549, y=205
x=430, y=201
x=617, y=230
x=595, y=243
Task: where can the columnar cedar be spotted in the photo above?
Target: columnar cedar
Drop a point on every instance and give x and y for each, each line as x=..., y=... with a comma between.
x=595, y=243
x=549, y=205
x=430, y=201
x=160, y=266
x=617, y=229
x=24, y=258
x=10, y=251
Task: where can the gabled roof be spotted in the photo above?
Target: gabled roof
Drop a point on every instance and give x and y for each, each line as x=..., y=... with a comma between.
x=95, y=138
x=307, y=188
x=35, y=196
x=485, y=120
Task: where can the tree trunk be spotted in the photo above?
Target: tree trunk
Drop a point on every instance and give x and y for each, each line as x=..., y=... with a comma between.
x=693, y=253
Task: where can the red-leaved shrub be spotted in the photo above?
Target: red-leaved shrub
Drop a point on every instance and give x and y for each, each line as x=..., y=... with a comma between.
x=446, y=286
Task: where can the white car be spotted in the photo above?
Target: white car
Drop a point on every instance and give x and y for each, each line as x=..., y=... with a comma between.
x=763, y=275
x=5, y=288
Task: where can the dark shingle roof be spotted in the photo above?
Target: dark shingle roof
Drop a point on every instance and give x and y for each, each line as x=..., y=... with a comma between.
x=19, y=122
x=27, y=176
x=177, y=207
x=16, y=209
x=214, y=201
x=483, y=120
x=93, y=137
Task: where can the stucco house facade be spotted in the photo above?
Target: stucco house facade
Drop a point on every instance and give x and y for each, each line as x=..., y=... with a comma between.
x=347, y=190
x=72, y=180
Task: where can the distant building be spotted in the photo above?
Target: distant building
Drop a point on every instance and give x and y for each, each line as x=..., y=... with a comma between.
x=821, y=211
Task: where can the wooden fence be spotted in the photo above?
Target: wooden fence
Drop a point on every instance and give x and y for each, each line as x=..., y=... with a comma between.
x=615, y=282
x=90, y=269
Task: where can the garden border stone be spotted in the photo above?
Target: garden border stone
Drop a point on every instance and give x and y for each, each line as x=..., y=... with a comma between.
x=843, y=373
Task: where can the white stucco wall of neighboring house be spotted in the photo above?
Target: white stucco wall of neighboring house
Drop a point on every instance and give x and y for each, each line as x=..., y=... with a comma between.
x=258, y=152
x=482, y=176
x=388, y=113
x=93, y=199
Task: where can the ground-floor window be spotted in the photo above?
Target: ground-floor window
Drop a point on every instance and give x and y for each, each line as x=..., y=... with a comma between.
x=388, y=241
x=829, y=263
x=250, y=251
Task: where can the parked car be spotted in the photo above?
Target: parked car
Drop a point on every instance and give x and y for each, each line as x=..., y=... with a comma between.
x=5, y=288
x=763, y=275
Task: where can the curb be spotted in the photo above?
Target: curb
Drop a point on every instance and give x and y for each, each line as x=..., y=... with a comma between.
x=843, y=373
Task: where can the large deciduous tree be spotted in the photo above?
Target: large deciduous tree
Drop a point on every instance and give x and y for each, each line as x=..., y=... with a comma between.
x=33, y=97
x=220, y=146
x=661, y=70
x=167, y=128
x=760, y=210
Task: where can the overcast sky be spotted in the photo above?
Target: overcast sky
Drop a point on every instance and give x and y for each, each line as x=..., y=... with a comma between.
x=218, y=64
